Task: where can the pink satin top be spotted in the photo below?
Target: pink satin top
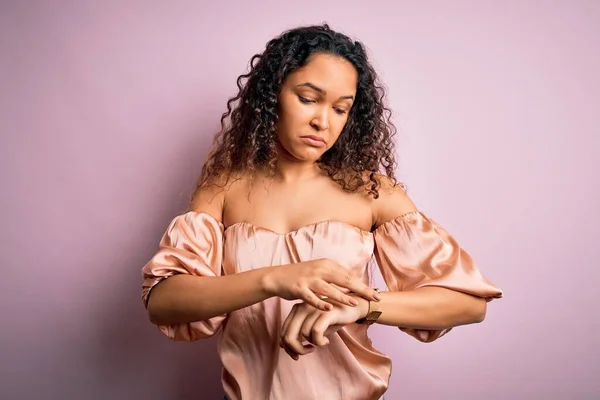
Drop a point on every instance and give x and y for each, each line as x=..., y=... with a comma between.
x=411, y=251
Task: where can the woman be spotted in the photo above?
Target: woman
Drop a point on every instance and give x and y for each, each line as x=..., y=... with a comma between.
x=297, y=196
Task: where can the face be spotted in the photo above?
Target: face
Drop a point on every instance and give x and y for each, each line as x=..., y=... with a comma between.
x=314, y=105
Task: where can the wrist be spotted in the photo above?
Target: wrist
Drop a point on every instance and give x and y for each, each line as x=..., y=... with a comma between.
x=370, y=313
x=266, y=280
x=362, y=307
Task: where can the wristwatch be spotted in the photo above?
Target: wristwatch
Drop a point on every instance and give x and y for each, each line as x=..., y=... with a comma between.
x=372, y=314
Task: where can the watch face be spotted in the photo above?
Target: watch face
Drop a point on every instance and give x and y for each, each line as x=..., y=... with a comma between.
x=370, y=318
x=373, y=315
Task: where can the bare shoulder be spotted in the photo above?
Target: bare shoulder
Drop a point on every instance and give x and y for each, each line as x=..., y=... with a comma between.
x=393, y=201
x=211, y=198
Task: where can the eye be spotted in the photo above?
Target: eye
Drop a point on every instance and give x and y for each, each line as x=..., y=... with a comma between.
x=340, y=111
x=305, y=100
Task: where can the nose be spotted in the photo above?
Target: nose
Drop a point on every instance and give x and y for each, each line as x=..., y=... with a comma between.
x=320, y=121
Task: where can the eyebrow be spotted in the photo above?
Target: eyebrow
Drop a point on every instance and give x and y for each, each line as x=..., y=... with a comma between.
x=322, y=91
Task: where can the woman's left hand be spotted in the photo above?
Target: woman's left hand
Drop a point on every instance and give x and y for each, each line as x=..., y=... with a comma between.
x=307, y=323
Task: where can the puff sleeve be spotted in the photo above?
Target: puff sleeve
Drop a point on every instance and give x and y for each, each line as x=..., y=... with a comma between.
x=192, y=244
x=413, y=251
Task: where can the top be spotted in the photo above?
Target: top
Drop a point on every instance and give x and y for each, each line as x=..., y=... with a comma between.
x=412, y=251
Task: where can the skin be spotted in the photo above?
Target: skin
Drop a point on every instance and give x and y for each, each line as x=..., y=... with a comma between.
x=314, y=100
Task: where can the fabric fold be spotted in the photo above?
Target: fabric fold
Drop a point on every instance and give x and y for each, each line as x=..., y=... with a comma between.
x=414, y=251
x=193, y=245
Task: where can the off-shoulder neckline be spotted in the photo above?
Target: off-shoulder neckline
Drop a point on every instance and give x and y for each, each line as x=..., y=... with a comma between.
x=307, y=226
x=293, y=232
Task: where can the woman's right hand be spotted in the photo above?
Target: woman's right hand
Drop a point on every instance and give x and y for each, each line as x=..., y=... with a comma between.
x=310, y=281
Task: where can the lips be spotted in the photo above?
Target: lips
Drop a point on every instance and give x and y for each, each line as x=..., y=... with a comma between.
x=313, y=141
x=313, y=137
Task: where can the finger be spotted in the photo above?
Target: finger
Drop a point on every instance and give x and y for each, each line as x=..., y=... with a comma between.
x=306, y=329
x=284, y=327
x=290, y=352
x=341, y=289
x=311, y=298
x=335, y=294
x=287, y=321
x=308, y=349
x=347, y=280
x=318, y=330
x=291, y=335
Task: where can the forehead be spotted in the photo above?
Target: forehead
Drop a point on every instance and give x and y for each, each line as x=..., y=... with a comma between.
x=332, y=73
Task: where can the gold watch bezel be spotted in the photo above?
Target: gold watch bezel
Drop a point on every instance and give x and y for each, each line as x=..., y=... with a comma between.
x=372, y=316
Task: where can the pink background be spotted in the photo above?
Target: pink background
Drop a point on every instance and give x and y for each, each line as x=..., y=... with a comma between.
x=107, y=109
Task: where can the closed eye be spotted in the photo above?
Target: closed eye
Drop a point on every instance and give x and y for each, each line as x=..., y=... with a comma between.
x=305, y=100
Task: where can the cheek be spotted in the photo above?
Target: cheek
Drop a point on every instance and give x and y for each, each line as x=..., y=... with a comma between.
x=298, y=114
x=293, y=116
x=287, y=123
x=338, y=126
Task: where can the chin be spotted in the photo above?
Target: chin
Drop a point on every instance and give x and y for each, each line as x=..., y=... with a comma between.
x=307, y=155
x=303, y=153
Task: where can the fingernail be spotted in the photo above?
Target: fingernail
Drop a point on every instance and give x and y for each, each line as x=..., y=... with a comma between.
x=377, y=296
x=353, y=302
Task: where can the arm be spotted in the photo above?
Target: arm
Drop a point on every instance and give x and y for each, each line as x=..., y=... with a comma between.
x=434, y=284
x=418, y=312
x=428, y=308
x=186, y=298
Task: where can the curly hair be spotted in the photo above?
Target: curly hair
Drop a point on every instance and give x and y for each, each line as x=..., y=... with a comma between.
x=247, y=144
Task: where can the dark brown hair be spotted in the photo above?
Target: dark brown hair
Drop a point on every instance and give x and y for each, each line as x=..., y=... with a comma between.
x=247, y=143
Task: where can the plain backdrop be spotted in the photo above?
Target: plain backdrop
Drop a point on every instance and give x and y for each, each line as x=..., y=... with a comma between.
x=107, y=109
